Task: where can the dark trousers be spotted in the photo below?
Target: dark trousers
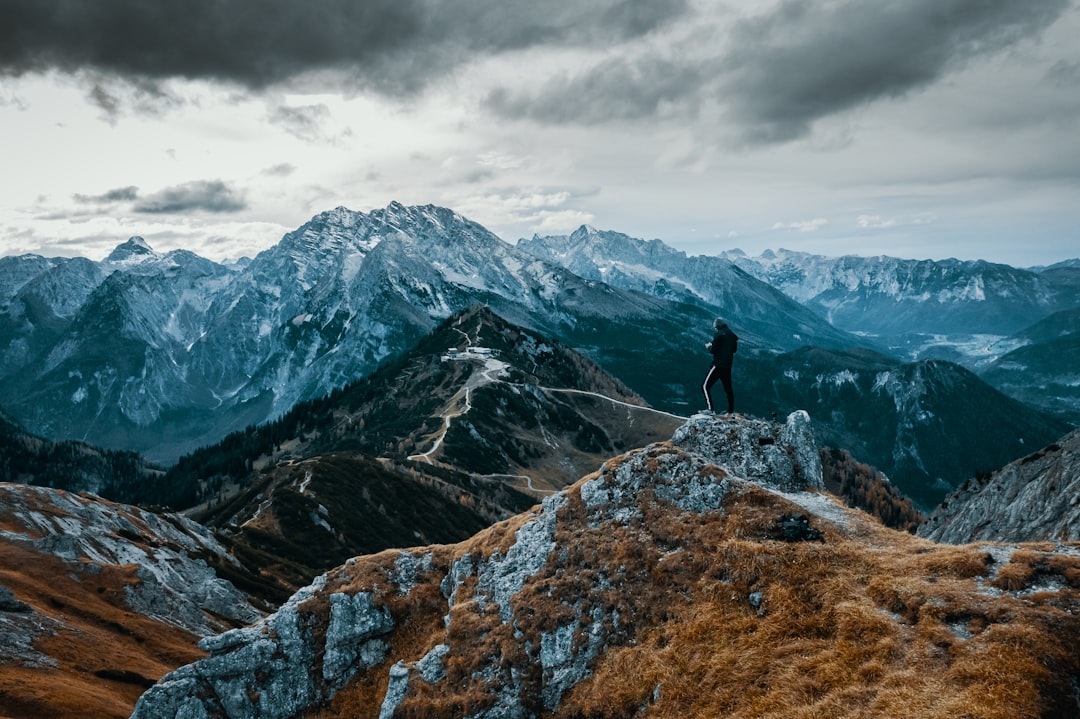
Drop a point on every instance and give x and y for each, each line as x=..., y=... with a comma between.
x=724, y=375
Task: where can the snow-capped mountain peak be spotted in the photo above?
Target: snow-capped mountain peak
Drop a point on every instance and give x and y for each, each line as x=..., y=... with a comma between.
x=886, y=296
x=134, y=251
x=765, y=315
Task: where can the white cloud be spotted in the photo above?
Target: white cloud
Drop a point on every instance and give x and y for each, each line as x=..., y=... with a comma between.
x=873, y=222
x=802, y=226
x=500, y=160
x=550, y=222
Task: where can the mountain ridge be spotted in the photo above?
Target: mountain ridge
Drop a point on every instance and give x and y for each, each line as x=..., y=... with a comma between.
x=890, y=297
x=1031, y=499
x=764, y=314
x=322, y=307
x=663, y=584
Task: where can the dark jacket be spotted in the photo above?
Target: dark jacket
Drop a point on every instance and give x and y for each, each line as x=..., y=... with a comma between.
x=724, y=346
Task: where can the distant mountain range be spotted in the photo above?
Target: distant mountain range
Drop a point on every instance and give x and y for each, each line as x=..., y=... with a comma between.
x=764, y=315
x=972, y=313
x=892, y=298
x=929, y=425
x=164, y=353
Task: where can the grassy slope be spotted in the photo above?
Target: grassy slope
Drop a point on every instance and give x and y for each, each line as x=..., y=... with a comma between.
x=869, y=623
x=105, y=654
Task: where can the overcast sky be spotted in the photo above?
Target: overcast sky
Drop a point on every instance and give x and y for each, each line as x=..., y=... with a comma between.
x=921, y=129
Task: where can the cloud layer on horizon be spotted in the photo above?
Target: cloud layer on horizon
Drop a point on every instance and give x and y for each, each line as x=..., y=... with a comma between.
x=690, y=120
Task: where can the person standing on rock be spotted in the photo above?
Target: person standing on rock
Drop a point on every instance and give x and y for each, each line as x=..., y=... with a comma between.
x=723, y=348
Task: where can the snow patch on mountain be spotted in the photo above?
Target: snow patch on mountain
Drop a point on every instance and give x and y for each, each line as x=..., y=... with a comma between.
x=886, y=296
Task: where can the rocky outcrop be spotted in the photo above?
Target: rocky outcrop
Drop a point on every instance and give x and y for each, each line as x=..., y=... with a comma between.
x=328, y=632
x=1034, y=498
x=266, y=670
x=656, y=585
x=783, y=457
x=166, y=554
x=99, y=600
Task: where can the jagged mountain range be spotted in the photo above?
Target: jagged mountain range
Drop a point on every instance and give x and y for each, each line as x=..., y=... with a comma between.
x=994, y=319
x=764, y=315
x=975, y=313
x=890, y=297
x=163, y=353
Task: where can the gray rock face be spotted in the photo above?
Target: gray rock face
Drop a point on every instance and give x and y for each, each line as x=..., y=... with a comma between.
x=175, y=585
x=509, y=629
x=501, y=577
x=268, y=670
x=1034, y=498
x=781, y=457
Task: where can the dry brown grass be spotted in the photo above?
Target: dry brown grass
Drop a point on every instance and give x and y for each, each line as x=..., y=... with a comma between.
x=871, y=623
x=100, y=638
x=830, y=644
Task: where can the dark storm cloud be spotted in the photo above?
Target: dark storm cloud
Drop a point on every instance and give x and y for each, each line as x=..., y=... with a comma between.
x=206, y=195
x=807, y=61
x=120, y=194
x=615, y=89
x=390, y=45
x=778, y=72
x=305, y=123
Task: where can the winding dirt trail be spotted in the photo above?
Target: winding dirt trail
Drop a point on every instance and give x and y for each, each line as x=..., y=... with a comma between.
x=490, y=374
x=492, y=367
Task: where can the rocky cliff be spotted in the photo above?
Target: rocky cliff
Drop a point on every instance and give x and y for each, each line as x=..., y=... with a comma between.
x=705, y=575
x=1032, y=499
x=98, y=600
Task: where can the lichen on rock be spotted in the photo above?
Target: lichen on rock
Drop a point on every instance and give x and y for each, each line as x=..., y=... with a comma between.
x=531, y=605
x=266, y=670
x=501, y=577
x=783, y=457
